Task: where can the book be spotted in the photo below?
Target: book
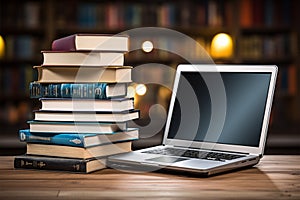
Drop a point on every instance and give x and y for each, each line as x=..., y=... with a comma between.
x=76, y=127
x=246, y=10
x=77, y=90
x=78, y=152
x=61, y=164
x=85, y=116
x=89, y=42
x=83, y=58
x=78, y=140
x=64, y=104
x=77, y=74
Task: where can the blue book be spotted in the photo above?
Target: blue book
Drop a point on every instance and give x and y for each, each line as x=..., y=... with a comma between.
x=77, y=90
x=78, y=140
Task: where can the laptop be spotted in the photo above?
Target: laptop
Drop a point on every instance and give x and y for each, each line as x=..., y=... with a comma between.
x=217, y=121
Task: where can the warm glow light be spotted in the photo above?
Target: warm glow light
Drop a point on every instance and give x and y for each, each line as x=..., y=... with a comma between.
x=130, y=91
x=147, y=46
x=222, y=46
x=141, y=89
x=2, y=47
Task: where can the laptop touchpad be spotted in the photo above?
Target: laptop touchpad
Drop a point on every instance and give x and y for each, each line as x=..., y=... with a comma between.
x=165, y=159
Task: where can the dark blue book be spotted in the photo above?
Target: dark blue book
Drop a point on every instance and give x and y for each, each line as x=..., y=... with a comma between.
x=77, y=90
x=60, y=164
x=78, y=140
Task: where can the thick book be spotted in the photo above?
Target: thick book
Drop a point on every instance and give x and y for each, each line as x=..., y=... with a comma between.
x=87, y=74
x=91, y=42
x=78, y=140
x=59, y=164
x=77, y=90
x=103, y=105
x=76, y=127
x=86, y=116
x=78, y=152
x=82, y=58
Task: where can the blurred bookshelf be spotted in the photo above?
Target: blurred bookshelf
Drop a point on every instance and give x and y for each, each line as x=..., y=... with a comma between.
x=263, y=32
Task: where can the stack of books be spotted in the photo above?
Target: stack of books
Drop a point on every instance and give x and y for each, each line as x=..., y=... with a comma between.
x=82, y=86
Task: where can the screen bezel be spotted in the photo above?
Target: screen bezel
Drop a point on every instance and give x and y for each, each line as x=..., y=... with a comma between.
x=223, y=68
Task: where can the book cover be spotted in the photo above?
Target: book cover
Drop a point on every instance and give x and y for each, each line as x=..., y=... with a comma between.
x=86, y=116
x=61, y=164
x=86, y=74
x=78, y=152
x=100, y=105
x=91, y=42
x=78, y=140
x=246, y=10
x=76, y=127
x=83, y=58
x=77, y=90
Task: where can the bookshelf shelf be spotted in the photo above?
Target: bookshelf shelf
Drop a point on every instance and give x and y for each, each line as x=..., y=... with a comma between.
x=11, y=30
x=266, y=30
x=274, y=60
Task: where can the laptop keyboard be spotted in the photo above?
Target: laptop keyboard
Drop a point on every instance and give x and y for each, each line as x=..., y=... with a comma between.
x=217, y=156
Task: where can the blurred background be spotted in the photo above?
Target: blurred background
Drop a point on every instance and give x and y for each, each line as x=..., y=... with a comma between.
x=231, y=31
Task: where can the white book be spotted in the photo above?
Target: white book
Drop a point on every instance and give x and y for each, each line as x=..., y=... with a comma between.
x=104, y=105
x=75, y=127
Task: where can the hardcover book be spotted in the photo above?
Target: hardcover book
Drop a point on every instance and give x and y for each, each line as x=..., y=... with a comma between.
x=89, y=42
x=104, y=105
x=78, y=140
x=77, y=90
x=82, y=58
x=78, y=152
x=86, y=116
x=61, y=164
x=78, y=74
x=76, y=127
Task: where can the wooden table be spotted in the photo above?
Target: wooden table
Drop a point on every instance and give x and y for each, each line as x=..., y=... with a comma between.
x=275, y=177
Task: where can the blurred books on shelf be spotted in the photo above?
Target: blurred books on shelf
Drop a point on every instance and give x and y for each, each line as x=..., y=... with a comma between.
x=256, y=13
x=263, y=32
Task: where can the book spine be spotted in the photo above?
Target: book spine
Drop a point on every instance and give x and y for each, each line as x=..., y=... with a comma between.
x=56, y=139
x=68, y=90
x=64, y=44
x=44, y=163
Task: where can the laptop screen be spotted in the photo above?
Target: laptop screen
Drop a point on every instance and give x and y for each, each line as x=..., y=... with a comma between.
x=243, y=106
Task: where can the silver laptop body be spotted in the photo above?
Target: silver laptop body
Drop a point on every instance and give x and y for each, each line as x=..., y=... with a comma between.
x=217, y=121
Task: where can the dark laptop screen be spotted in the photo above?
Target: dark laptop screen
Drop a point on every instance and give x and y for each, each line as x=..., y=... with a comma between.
x=238, y=105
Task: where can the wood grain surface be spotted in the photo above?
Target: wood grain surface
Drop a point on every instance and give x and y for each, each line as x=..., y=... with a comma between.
x=275, y=177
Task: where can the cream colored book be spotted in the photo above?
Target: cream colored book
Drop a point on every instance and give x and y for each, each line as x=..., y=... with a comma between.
x=83, y=58
x=89, y=42
x=79, y=74
x=78, y=152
